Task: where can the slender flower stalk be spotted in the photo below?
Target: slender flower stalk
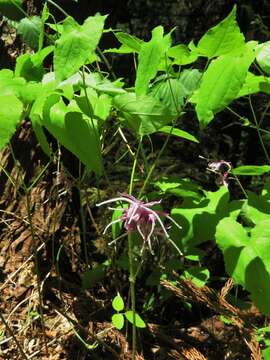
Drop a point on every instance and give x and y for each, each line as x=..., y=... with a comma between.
x=138, y=217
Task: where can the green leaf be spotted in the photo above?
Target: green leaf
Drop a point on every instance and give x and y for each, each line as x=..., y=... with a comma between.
x=6, y=74
x=149, y=59
x=118, y=321
x=27, y=69
x=118, y=303
x=266, y=353
x=29, y=29
x=85, y=138
x=265, y=86
x=252, y=84
x=190, y=80
x=252, y=170
x=265, y=329
x=247, y=258
x=92, y=276
x=256, y=208
x=179, y=187
x=76, y=44
x=170, y=93
x=177, y=132
x=76, y=132
x=226, y=320
x=44, y=17
x=95, y=81
x=30, y=92
x=96, y=106
x=10, y=85
x=121, y=50
x=232, y=238
x=220, y=85
x=193, y=257
x=130, y=43
x=138, y=320
x=11, y=11
x=199, y=275
x=10, y=115
x=58, y=28
x=223, y=38
x=182, y=55
x=41, y=137
x=85, y=102
x=199, y=219
x=36, y=115
x=102, y=106
x=38, y=58
x=263, y=56
x=107, y=87
x=144, y=115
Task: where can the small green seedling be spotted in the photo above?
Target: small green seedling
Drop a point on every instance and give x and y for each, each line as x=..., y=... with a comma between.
x=118, y=319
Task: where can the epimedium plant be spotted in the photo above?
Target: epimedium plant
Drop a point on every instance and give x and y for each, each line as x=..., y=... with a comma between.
x=74, y=101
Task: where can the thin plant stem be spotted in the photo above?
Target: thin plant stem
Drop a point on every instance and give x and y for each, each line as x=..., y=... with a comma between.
x=9, y=176
x=170, y=87
x=92, y=218
x=106, y=62
x=258, y=130
x=39, y=175
x=82, y=214
x=24, y=356
x=58, y=7
x=125, y=141
x=144, y=158
x=132, y=275
x=134, y=61
x=131, y=183
x=132, y=281
x=58, y=272
x=19, y=8
x=264, y=113
x=235, y=113
x=152, y=168
x=240, y=185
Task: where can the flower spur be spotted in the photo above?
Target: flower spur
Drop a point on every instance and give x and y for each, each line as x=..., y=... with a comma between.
x=139, y=216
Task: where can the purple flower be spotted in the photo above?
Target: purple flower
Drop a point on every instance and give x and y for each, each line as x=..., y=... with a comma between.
x=140, y=217
x=222, y=168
